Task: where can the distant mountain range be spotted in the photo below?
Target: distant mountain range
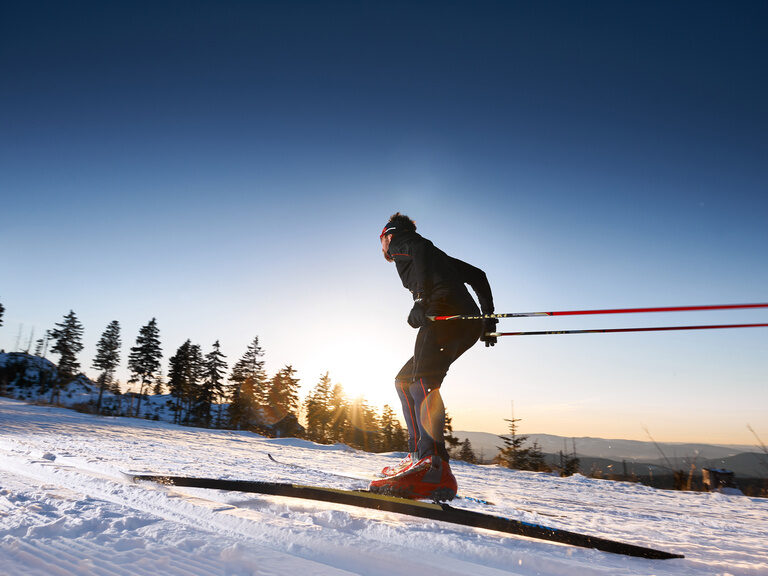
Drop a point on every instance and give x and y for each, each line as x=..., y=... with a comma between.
x=609, y=455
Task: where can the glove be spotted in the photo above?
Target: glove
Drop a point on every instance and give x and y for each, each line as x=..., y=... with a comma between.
x=418, y=316
x=489, y=325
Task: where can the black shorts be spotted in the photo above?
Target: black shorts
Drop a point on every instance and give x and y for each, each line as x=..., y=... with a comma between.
x=438, y=344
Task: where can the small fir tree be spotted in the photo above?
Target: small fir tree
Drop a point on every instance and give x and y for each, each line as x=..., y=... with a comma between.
x=185, y=373
x=179, y=376
x=393, y=437
x=466, y=454
x=338, y=407
x=158, y=387
x=215, y=369
x=318, y=411
x=248, y=382
x=513, y=455
x=451, y=442
x=282, y=398
x=197, y=398
x=536, y=461
x=201, y=401
x=569, y=462
x=41, y=349
x=209, y=387
x=107, y=358
x=67, y=336
x=144, y=359
x=363, y=431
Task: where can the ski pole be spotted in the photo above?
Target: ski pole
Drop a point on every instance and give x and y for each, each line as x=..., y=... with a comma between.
x=608, y=330
x=605, y=311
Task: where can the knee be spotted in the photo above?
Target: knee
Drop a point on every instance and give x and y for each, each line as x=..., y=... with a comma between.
x=424, y=387
x=402, y=386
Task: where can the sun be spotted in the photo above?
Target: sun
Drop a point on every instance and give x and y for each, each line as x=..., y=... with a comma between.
x=362, y=370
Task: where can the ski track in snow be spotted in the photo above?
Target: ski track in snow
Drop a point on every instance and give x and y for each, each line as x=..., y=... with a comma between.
x=65, y=509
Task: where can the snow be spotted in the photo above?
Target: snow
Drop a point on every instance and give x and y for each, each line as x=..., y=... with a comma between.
x=66, y=509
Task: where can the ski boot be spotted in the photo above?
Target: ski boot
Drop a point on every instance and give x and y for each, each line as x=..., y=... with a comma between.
x=428, y=478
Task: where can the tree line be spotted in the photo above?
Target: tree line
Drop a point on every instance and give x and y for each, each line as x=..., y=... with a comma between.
x=202, y=391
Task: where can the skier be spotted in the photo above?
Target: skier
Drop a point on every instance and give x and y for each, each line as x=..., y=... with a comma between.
x=437, y=282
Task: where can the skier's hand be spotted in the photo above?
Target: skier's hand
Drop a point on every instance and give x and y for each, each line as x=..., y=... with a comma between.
x=418, y=316
x=489, y=326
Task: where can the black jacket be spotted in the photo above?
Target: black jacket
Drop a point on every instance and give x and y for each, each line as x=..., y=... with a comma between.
x=430, y=274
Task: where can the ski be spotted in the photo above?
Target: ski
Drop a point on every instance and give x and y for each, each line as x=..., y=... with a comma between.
x=431, y=510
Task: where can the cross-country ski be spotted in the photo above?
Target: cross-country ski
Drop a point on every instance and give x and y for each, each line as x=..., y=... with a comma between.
x=419, y=509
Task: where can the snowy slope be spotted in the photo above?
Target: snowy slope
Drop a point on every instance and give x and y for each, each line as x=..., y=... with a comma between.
x=65, y=509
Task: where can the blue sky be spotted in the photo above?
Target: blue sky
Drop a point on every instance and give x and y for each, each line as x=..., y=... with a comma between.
x=226, y=167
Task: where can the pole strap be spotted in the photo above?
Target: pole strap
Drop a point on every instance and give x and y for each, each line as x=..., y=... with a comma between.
x=604, y=311
x=610, y=330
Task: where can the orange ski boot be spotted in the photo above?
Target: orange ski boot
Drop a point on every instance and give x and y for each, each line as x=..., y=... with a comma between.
x=428, y=478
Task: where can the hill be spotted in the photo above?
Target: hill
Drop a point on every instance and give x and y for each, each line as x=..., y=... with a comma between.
x=66, y=509
x=640, y=460
x=612, y=449
x=23, y=373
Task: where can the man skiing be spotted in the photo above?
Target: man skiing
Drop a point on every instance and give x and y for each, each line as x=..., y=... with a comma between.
x=437, y=282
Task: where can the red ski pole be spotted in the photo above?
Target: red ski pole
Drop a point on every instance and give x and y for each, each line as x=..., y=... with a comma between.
x=604, y=311
x=609, y=330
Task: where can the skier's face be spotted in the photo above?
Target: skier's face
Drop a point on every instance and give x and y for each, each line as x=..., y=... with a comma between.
x=385, y=240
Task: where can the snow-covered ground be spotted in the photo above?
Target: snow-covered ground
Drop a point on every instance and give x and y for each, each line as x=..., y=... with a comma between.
x=66, y=509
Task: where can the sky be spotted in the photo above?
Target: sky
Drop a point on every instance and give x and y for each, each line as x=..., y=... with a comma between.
x=226, y=167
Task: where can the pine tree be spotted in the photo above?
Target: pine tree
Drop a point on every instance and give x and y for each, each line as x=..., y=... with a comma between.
x=107, y=357
x=218, y=377
x=451, y=442
x=41, y=348
x=185, y=374
x=338, y=406
x=212, y=386
x=68, y=336
x=393, y=437
x=159, y=385
x=318, y=411
x=196, y=396
x=569, y=462
x=536, y=460
x=363, y=432
x=513, y=455
x=248, y=381
x=2, y=311
x=203, y=395
x=387, y=428
x=144, y=359
x=466, y=454
x=282, y=399
x=179, y=376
